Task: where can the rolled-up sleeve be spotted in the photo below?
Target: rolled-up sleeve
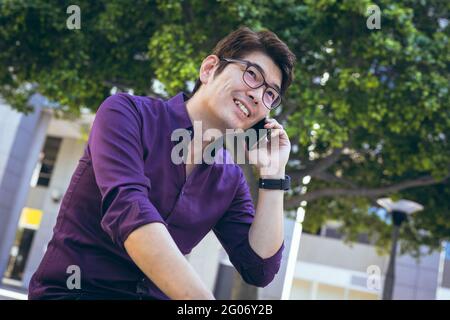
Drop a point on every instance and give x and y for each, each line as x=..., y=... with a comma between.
x=117, y=153
x=233, y=233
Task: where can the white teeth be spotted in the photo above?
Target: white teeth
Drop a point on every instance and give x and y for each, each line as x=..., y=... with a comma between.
x=242, y=107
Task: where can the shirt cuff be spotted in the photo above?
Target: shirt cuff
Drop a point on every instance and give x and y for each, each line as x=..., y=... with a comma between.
x=119, y=225
x=257, y=270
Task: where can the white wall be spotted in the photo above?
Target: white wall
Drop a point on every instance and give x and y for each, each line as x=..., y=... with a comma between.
x=318, y=281
x=330, y=262
x=9, y=123
x=416, y=280
x=443, y=294
x=336, y=253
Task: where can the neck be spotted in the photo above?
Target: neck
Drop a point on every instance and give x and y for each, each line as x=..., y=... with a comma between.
x=197, y=109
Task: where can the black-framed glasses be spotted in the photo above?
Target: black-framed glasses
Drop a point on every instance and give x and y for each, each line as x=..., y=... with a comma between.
x=254, y=78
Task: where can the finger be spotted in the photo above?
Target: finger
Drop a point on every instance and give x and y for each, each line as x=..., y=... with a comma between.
x=274, y=125
x=279, y=132
x=270, y=120
x=275, y=133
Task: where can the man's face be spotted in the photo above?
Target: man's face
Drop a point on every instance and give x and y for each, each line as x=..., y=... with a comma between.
x=227, y=94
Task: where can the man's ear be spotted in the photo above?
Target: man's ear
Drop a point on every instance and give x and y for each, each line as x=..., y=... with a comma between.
x=207, y=68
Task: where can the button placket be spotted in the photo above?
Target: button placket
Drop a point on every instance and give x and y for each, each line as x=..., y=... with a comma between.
x=141, y=288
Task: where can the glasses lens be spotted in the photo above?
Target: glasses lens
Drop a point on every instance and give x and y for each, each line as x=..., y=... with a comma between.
x=271, y=98
x=253, y=77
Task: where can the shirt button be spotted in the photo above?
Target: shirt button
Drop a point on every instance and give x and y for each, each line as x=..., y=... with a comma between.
x=140, y=287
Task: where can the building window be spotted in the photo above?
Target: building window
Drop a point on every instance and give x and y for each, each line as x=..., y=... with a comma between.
x=44, y=169
x=332, y=232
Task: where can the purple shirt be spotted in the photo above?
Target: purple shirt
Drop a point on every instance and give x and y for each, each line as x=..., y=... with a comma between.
x=126, y=179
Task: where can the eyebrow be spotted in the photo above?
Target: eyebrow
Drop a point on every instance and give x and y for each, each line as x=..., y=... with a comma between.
x=264, y=75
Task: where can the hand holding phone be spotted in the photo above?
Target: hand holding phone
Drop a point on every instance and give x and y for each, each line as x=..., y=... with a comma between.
x=261, y=133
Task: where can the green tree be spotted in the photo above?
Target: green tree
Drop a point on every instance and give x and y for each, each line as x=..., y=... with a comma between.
x=368, y=112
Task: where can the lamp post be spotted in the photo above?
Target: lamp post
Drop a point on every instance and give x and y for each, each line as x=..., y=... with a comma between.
x=400, y=211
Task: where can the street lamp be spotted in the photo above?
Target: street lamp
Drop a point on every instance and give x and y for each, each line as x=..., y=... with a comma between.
x=400, y=211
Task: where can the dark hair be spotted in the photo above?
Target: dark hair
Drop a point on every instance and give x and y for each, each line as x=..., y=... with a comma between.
x=244, y=41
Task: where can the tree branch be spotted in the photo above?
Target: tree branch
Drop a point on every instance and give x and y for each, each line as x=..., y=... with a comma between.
x=187, y=11
x=322, y=164
x=363, y=192
x=326, y=176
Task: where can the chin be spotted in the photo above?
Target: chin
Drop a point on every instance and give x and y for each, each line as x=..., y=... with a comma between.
x=231, y=120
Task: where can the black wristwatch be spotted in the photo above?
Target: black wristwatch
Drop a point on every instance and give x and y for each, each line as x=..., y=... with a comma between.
x=276, y=184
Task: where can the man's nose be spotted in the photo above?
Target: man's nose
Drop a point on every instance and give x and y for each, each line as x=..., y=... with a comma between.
x=255, y=101
x=256, y=95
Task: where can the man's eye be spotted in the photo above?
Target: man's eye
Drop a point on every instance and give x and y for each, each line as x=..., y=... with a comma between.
x=271, y=94
x=252, y=74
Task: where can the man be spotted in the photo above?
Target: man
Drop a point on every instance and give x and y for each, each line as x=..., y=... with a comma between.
x=130, y=213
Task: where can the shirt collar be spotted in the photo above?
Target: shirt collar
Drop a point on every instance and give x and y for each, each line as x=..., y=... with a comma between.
x=178, y=111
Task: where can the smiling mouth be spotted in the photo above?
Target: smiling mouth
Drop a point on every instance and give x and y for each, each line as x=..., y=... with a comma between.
x=241, y=106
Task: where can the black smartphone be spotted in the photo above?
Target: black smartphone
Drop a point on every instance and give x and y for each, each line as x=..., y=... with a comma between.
x=259, y=134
